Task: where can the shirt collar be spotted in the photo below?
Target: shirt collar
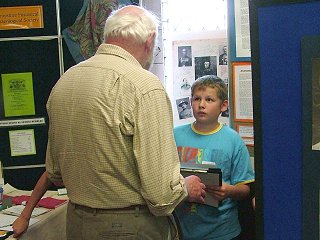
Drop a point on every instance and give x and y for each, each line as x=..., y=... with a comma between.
x=206, y=133
x=111, y=49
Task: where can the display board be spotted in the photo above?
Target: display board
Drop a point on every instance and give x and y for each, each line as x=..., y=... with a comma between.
x=34, y=54
x=287, y=169
x=310, y=52
x=31, y=62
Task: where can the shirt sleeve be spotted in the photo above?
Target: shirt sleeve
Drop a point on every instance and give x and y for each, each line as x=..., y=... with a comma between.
x=242, y=172
x=158, y=164
x=52, y=165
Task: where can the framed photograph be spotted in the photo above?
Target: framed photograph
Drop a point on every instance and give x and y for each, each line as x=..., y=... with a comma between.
x=184, y=56
x=184, y=108
x=242, y=91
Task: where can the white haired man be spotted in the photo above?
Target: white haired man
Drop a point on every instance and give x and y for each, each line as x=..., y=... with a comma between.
x=111, y=139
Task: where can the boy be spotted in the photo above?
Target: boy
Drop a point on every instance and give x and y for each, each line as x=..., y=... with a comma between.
x=206, y=140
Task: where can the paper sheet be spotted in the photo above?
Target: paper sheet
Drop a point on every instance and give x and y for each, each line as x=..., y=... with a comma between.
x=7, y=220
x=17, y=209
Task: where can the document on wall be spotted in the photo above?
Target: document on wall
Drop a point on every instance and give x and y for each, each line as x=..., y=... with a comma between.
x=209, y=175
x=242, y=28
x=22, y=142
x=243, y=108
x=246, y=132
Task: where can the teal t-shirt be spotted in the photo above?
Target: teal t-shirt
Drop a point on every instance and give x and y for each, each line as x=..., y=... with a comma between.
x=226, y=149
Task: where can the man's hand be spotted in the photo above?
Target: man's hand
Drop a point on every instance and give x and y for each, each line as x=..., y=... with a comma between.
x=196, y=189
x=220, y=192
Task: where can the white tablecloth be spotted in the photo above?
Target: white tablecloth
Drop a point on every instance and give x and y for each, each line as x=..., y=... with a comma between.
x=51, y=225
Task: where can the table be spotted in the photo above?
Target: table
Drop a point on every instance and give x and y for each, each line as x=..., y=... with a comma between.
x=51, y=225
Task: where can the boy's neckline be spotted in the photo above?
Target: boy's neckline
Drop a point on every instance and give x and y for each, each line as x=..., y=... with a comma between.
x=217, y=129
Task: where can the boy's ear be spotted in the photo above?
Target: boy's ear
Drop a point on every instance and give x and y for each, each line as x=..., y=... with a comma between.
x=224, y=106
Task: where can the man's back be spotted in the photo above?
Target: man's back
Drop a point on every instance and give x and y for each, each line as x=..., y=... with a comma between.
x=93, y=126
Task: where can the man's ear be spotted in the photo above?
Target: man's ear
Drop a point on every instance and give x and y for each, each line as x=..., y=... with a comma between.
x=224, y=106
x=150, y=42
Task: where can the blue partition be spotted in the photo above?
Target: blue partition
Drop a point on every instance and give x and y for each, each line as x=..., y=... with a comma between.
x=277, y=30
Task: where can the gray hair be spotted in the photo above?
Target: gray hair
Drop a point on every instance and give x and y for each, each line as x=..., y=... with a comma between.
x=135, y=25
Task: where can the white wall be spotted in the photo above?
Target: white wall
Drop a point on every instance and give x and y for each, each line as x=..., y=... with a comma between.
x=158, y=66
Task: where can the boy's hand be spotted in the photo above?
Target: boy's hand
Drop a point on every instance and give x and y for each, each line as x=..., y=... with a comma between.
x=220, y=192
x=236, y=192
x=196, y=189
x=20, y=226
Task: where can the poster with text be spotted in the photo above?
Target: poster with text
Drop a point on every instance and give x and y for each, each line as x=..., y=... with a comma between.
x=22, y=142
x=242, y=28
x=18, y=96
x=242, y=91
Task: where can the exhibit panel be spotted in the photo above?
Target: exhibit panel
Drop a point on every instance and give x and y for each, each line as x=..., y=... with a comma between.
x=39, y=41
x=310, y=53
x=32, y=59
x=289, y=186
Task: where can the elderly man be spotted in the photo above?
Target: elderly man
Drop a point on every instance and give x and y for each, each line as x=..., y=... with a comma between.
x=111, y=139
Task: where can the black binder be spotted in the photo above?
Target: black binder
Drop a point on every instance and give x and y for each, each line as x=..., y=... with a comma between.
x=209, y=174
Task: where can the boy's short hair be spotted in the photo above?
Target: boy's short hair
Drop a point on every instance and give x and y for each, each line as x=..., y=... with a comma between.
x=212, y=81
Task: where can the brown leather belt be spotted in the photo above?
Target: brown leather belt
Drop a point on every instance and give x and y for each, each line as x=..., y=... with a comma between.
x=104, y=210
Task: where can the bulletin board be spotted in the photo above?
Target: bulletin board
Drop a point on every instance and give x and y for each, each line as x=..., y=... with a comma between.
x=287, y=170
x=33, y=57
x=29, y=69
x=310, y=52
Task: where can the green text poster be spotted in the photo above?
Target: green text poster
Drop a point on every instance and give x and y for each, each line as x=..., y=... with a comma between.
x=18, y=94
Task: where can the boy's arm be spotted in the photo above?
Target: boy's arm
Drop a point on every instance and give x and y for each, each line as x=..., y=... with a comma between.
x=239, y=191
x=20, y=225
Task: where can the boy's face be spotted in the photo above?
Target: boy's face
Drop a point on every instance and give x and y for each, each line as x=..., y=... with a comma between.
x=207, y=106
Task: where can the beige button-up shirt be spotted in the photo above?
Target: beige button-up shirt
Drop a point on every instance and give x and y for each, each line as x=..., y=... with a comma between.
x=111, y=135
